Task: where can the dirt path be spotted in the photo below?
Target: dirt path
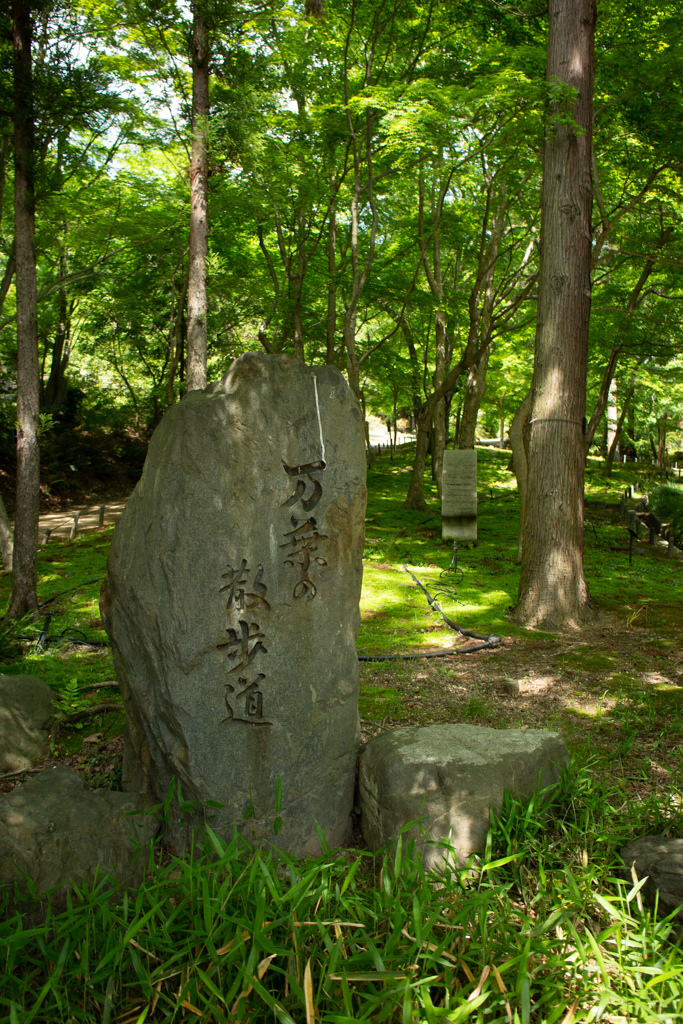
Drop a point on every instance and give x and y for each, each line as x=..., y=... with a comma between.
x=61, y=524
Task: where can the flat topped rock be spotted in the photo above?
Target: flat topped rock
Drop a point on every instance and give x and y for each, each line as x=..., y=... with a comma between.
x=450, y=777
x=26, y=708
x=232, y=603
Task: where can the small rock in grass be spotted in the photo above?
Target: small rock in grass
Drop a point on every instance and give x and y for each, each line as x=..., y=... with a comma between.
x=55, y=831
x=26, y=708
x=661, y=859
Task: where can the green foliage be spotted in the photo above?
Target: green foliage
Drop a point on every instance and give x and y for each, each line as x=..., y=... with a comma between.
x=666, y=501
x=539, y=925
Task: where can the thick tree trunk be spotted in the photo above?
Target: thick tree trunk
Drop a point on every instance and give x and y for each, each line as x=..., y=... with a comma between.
x=25, y=573
x=199, y=222
x=552, y=591
x=519, y=431
x=474, y=394
x=439, y=436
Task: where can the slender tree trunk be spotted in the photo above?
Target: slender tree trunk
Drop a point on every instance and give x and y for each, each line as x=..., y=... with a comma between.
x=552, y=591
x=331, y=329
x=502, y=421
x=439, y=437
x=631, y=428
x=634, y=301
x=199, y=222
x=612, y=413
x=6, y=538
x=7, y=276
x=609, y=461
x=297, y=323
x=415, y=498
x=519, y=436
x=661, y=447
x=474, y=394
x=175, y=342
x=55, y=389
x=25, y=572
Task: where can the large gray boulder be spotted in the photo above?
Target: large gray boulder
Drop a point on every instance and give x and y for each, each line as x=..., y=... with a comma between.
x=56, y=831
x=26, y=708
x=661, y=860
x=232, y=604
x=449, y=777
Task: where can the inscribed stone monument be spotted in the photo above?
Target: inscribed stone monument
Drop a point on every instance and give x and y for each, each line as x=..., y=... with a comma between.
x=459, y=494
x=232, y=603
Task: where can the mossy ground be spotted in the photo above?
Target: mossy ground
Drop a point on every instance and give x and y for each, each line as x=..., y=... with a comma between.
x=615, y=691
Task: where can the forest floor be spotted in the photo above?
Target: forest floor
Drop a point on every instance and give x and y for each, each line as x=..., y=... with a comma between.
x=614, y=691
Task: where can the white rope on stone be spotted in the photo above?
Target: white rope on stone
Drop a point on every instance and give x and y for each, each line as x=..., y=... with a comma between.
x=317, y=409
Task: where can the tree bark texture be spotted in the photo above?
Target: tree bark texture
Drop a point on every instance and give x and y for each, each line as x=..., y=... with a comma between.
x=519, y=437
x=553, y=592
x=440, y=407
x=25, y=573
x=199, y=221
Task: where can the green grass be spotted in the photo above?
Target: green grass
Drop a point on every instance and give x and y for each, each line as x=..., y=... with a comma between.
x=395, y=614
x=539, y=930
x=542, y=932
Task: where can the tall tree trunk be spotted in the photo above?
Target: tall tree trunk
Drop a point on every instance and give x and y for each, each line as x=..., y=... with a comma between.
x=175, y=341
x=474, y=394
x=634, y=300
x=552, y=591
x=55, y=389
x=6, y=538
x=199, y=223
x=609, y=461
x=502, y=421
x=7, y=276
x=415, y=395
x=439, y=436
x=519, y=436
x=25, y=571
x=661, y=447
x=612, y=412
x=415, y=498
x=297, y=322
x=331, y=327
